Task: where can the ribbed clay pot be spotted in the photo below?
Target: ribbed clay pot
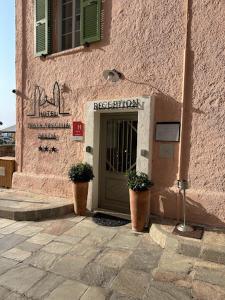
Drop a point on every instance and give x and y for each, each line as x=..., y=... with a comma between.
x=80, y=192
x=139, y=208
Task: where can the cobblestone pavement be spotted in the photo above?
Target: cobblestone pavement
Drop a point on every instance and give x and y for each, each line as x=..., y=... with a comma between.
x=73, y=258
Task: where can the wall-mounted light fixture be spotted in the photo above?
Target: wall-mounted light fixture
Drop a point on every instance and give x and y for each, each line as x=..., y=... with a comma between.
x=112, y=75
x=16, y=92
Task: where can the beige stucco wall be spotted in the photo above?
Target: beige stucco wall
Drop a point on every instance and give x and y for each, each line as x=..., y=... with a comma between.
x=145, y=41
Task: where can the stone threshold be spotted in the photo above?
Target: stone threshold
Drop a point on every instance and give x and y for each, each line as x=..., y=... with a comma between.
x=113, y=213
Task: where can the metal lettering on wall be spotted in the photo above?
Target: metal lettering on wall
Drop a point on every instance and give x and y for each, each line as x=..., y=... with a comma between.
x=49, y=114
x=49, y=126
x=118, y=104
x=49, y=136
x=55, y=108
x=41, y=100
x=48, y=149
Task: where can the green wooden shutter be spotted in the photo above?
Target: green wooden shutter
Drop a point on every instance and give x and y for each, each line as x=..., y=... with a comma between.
x=90, y=21
x=42, y=27
x=50, y=18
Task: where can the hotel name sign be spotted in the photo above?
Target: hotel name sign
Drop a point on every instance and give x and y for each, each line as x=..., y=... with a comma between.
x=118, y=104
x=49, y=126
x=41, y=101
x=44, y=106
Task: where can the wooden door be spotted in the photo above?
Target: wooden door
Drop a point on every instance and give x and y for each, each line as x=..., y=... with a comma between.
x=118, y=154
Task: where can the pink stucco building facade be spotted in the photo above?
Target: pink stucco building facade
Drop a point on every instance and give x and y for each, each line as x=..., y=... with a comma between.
x=171, y=56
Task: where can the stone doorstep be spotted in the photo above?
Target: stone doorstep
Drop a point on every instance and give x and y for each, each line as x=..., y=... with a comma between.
x=23, y=206
x=205, y=249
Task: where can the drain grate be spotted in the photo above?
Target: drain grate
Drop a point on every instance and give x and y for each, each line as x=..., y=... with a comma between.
x=107, y=220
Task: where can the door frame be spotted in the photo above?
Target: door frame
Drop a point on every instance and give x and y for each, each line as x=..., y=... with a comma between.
x=102, y=154
x=145, y=112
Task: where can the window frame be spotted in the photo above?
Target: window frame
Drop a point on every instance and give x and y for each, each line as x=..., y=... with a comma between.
x=73, y=26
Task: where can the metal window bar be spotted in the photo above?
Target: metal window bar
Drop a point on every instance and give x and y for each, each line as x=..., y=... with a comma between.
x=110, y=145
x=113, y=144
x=131, y=135
x=127, y=141
x=122, y=164
x=118, y=147
x=121, y=135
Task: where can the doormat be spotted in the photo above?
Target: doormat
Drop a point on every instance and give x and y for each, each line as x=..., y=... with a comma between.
x=107, y=220
x=195, y=234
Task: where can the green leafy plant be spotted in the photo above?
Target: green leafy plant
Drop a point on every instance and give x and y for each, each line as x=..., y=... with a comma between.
x=81, y=172
x=138, y=181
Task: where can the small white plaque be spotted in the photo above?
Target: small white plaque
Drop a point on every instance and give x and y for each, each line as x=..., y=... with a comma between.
x=77, y=138
x=2, y=171
x=168, y=132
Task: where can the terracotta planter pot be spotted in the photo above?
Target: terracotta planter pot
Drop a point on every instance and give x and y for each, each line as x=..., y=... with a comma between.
x=139, y=208
x=80, y=192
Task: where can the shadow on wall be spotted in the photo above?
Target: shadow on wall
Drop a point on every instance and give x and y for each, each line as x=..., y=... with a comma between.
x=165, y=201
x=164, y=164
x=168, y=204
x=188, y=108
x=196, y=213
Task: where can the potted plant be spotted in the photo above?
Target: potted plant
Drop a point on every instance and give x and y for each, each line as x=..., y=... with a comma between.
x=139, y=186
x=80, y=174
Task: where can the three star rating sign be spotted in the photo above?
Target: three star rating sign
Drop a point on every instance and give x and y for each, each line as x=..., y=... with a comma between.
x=47, y=149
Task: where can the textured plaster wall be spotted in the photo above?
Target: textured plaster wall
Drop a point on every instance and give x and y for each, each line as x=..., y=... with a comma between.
x=144, y=40
x=207, y=132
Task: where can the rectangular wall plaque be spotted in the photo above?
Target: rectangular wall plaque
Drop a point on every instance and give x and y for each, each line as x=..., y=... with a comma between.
x=167, y=132
x=166, y=150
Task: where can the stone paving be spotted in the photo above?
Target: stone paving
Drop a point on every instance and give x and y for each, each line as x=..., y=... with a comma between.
x=73, y=258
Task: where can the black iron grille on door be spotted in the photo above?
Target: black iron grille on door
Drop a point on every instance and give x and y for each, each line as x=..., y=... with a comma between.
x=118, y=154
x=121, y=146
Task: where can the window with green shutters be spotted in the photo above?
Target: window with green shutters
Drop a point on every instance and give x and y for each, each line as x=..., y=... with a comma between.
x=79, y=24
